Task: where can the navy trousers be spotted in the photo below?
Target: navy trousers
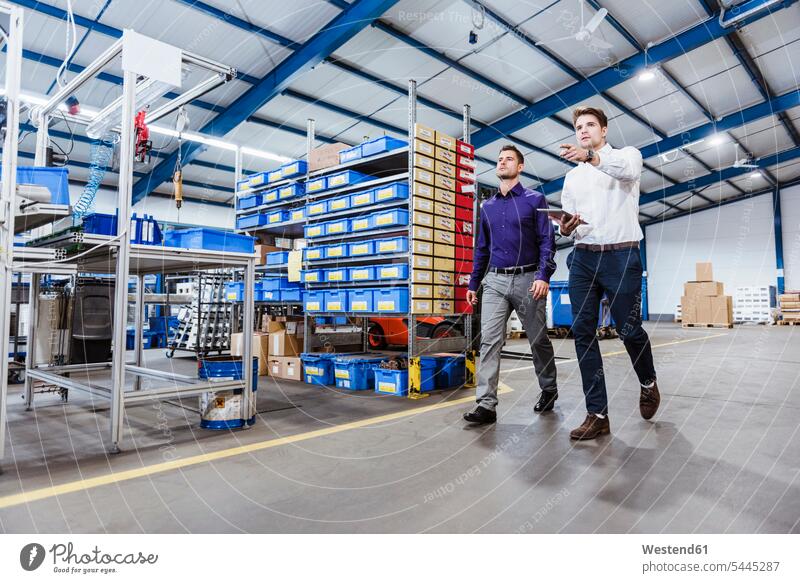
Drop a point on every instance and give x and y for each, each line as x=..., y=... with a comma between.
x=618, y=274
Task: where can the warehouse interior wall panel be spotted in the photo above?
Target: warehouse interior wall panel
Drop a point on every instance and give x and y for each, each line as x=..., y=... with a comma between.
x=737, y=238
x=790, y=221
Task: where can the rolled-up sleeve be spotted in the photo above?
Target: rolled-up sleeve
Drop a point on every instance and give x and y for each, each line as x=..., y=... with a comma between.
x=624, y=164
x=547, y=243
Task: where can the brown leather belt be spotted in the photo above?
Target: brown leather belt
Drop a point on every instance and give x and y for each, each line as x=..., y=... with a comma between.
x=610, y=247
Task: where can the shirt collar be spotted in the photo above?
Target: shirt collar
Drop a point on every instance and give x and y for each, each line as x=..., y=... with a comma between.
x=606, y=148
x=518, y=190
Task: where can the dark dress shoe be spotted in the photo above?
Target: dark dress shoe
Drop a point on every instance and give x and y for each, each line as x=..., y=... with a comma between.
x=547, y=400
x=591, y=428
x=480, y=415
x=649, y=400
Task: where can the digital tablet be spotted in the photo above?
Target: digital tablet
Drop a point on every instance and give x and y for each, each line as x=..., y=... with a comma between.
x=557, y=213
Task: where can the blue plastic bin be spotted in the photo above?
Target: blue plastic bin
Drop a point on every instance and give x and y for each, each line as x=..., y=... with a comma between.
x=391, y=192
x=295, y=168
x=336, y=251
x=314, y=209
x=246, y=222
x=291, y=190
x=318, y=368
x=234, y=291
x=391, y=300
x=100, y=224
x=381, y=145
x=297, y=214
x=270, y=195
x=361, y=248
x=336, y=301
x=210, y=240
x=337, y=275
x=338, y=227
x=362, y=223
x=247, y=202
x=258, y=179
x=338, y=204
x=391, y=382
x=363, y=198
x=450, y=370
x=269, y=284
x=391, y=271
x=393, y=218
x=361, y=300
x=56, y=180
x=277, y=217
x=243, y=185
x=225, y=367
x=277, y=258
x=355, y=372
x=318, y=230
x=317, y=184
x=314, y=301
x=391, y=245
x=291, y=295
x=362, y=273
x=346, y=178
x=312, y=275
x=274, y=175
x=314, y=253
x=350, y=154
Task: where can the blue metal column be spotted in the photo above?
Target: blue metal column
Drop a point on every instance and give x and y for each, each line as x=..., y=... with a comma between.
x=777, y=225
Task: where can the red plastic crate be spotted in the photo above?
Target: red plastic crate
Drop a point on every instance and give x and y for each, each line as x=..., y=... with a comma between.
x=465, y=227
x=460, y=292
x=463, y=307
x=463, y=267
x=463, y=214
x=463, y=254
x=464, y=187
x=465, y=201
x=465, y=240
x=465, y=149
x=466, y=162
x=463, y=175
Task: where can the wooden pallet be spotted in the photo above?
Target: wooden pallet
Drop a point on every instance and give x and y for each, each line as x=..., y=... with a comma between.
x=789, y=322
x=707, y=326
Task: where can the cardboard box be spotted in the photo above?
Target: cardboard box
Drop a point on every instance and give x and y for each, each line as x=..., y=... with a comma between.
x=445, y=155
x=444, y=224
x=423, y=176
x=291, y=368
x=423, y=147
x=421, y=276
x=422, y=247
x=422, y=204
x=422, y=233
x=789, y=298
x=445, y=141
x=423, y=219
x=703, y=288
x=444, y=264
x=444, y=169
x=444, y=277
x=441, y=306
x=422, y=262
x=261, y=253
x=703, y=272
x=720, y=310
x=282, y=343
x=445, y=196
x=444, y=210
x=424, y=162
x=442, y=250
x=421, y=290
x=423, y=190
x=269, y=324
x=421, y=306
x=424, y=133
x=260, y=349
x=275, y=368
x=325, y=156
x=447, y=237
x=444, y=182
x=445, y=292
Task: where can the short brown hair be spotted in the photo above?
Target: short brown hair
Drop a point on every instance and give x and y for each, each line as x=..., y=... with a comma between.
x=517, y=153
x=585, y=110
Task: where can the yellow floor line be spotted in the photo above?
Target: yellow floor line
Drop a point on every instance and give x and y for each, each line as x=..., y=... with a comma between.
x=116, y=477
x=618, y=352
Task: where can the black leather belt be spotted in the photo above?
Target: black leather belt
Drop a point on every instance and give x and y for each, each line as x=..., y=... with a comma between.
x=514, y=270
x=610, y=247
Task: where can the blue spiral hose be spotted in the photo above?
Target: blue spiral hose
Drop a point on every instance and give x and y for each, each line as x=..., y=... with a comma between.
x=102, y=152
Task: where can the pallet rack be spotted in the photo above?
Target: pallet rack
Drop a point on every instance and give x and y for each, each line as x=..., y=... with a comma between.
x=389, y=167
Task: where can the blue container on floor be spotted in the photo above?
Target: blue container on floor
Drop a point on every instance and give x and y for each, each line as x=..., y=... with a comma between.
x=391, y=382
x=450, y=370
x=318, y=368
x=210, y=240
x=222, y=409
x=356, y=372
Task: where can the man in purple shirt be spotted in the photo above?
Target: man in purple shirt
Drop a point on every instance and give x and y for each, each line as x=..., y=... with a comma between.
x=514, y=259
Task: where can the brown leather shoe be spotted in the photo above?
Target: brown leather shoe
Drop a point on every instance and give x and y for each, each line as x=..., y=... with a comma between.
x=649, y=400
x=591, y=428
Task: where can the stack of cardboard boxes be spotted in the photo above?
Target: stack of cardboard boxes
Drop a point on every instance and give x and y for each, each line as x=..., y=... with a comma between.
x=704, y=302
x=278, y=346
x=443, y=187
x=790, y=308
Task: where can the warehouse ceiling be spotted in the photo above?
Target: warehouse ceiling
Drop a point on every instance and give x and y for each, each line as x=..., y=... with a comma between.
x=359, y=90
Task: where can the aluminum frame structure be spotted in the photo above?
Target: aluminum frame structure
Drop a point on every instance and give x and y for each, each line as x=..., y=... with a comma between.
x=117, y=255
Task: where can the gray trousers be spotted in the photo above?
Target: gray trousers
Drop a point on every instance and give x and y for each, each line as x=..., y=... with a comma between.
x=501, y=294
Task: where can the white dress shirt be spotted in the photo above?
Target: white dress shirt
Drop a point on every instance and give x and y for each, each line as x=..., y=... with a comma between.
x=606, y=196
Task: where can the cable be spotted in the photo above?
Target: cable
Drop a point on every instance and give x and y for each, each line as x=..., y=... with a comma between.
x=69, y=51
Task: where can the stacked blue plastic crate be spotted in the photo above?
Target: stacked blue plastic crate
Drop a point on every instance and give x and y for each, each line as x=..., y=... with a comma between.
x=272, y=198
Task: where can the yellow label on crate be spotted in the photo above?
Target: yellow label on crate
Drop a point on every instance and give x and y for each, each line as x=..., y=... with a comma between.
x=363, y=274
x=424, y=147
x=360, y=224
x=286, y=191
x=385, y=387
x=384, y=193
x=338, y=204
x=341, y=374
x=387, y=219
x=390, y=272
x=335, y=276
x=363, y=198
x=270, y=196
x=298, y=215
x=312, y=306
x=293, y=168
x=256, y=180
x=335, y=251
x=336, y=228
x=315, y=185
x=313, y=254
x=313, y=370
x=312, y=277
x=388, y=246
x=275, y=175
x=232, y=296
x=386, y=306
x=421, y=189
x=334, y=305
x=275, y=218
x=314, y=231
x=359, y=249
x=337, y=180
x=359, y=306
x=316, y=209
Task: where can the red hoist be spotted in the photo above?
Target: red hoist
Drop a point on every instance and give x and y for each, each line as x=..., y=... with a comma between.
x=143, y=143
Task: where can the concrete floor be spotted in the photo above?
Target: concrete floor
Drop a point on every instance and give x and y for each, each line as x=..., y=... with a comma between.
x=722, y=454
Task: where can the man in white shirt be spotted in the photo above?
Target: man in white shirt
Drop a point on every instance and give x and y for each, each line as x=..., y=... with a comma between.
x=602, y=195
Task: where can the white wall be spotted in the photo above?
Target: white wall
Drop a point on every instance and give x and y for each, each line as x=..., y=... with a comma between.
x=562, y=273
x=737, y=238
x=790, y=219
